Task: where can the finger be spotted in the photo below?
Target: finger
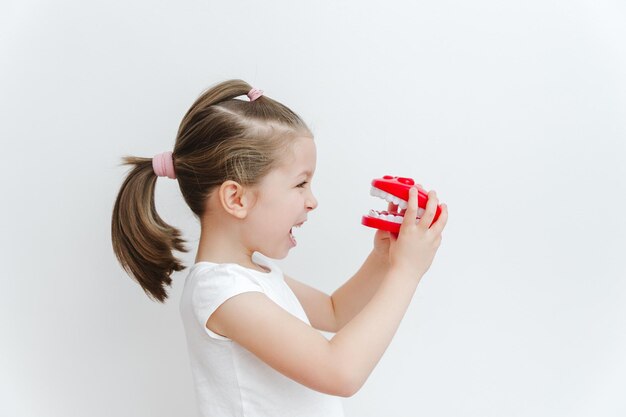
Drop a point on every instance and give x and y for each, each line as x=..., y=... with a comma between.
x=431, y=208
x=381, y=234
x=441, y=222
x=403, y=211
x=411, y=211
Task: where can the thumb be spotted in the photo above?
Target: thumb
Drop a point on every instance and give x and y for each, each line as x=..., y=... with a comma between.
x=382, y=234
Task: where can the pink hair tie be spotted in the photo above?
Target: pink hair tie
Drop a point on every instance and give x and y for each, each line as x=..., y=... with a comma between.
x=254, y=94
x=163, y=165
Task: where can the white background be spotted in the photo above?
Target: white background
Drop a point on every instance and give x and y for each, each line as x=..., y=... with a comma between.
x=513, y=111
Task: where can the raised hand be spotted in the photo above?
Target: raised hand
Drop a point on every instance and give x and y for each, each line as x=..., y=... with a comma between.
x=414, y=248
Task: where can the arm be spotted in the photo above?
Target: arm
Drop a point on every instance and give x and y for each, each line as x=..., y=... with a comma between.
x=339, y=366
x=331, y=313
x=290, y=346
x=351, y=297
x=355, y=293
x=317, y=305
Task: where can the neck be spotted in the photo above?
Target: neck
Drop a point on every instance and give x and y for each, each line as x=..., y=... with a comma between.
x=220, y=242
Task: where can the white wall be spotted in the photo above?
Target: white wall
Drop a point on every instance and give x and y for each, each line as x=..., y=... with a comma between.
x=512, y=111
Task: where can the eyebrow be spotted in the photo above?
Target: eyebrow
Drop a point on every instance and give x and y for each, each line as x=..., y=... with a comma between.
x=307, y=172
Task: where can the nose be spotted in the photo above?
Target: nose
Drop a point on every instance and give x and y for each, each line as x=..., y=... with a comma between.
x=311, y=201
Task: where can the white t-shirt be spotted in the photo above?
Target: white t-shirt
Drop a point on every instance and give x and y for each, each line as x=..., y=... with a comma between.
x=230, y=381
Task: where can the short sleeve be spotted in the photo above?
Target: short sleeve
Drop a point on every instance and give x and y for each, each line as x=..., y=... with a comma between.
x=214, y=287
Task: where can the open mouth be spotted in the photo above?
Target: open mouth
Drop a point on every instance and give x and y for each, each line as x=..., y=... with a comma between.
x=394, y=190
x=291, y=235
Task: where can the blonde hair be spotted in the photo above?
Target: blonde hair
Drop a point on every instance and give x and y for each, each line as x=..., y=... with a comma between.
x=220, y=138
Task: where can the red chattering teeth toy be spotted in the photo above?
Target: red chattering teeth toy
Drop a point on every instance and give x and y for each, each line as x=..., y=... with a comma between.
x=394, y=190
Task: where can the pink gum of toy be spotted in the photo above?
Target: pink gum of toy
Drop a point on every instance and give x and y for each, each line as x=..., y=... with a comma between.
x=398, y=187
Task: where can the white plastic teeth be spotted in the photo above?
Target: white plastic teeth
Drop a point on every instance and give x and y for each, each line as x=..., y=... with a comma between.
x=402, y=204
x=377, y=192
x=386, y=217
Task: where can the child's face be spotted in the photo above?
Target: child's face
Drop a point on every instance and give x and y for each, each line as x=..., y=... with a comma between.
x=284, y=199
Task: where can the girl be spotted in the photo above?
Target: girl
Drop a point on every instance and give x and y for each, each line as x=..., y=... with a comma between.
x=245, y=170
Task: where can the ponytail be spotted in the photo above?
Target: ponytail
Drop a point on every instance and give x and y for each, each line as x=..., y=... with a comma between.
x=142, y=241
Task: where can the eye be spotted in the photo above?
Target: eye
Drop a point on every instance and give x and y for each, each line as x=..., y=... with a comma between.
x=301, y=185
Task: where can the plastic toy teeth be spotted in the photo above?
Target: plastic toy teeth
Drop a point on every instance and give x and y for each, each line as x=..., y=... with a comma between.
x=394, y=190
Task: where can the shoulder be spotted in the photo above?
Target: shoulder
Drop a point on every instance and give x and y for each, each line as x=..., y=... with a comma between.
x=209, y=275
x=212, y=285
x=220, y=277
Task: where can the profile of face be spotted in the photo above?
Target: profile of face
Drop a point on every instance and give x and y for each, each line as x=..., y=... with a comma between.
x=283, y=200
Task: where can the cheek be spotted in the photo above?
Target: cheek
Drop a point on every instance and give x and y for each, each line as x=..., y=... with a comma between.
x=281, y=207
x=275, y=210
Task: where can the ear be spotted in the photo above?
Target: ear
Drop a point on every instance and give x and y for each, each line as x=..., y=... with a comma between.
x=235, y=199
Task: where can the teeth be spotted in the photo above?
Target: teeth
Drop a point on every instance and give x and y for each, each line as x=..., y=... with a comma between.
x=387, y=217
x=402, y=204
x=377, y=192
x=394, y=219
